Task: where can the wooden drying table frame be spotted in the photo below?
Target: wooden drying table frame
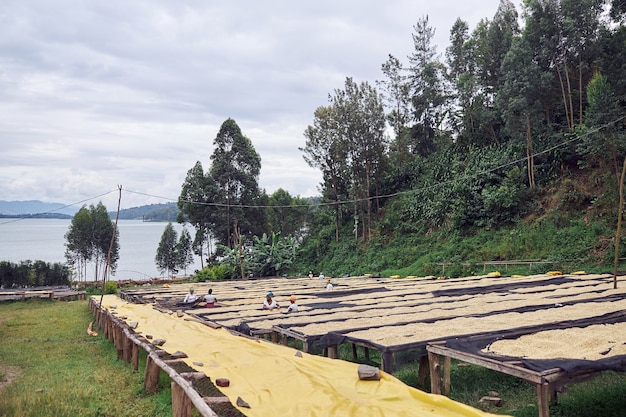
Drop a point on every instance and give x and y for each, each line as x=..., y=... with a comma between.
x=546, y=382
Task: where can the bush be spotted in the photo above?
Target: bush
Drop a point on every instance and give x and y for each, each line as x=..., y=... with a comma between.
x=110, y=287
x=214, y=273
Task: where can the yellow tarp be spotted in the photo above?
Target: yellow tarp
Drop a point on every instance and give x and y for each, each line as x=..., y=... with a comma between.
x=276, y=382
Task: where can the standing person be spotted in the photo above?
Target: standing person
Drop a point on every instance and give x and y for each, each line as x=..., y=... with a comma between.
x=310, y=274
x=269, y=303
x=329, y=286
x=210, y=299
x=190, y=297
x=293, y=307
x=321, y=275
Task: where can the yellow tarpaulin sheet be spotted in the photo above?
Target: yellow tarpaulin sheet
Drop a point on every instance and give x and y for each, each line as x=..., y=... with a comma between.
x=276, y=382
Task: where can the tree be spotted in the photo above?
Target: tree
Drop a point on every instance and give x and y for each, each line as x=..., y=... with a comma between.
x=90, y=237
x=396, y=94
x=325, y=151
x=348, y=144
x=235, y=169
x=166, y=258
x=79, y=248
x=428, y=89
x=287, y=215
x=195, y=204
x=184, y=253
x=604, y=146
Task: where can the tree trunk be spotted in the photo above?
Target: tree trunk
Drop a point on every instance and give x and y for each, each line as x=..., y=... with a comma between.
x=558, y=71
x=529, y=154
x=569, y=95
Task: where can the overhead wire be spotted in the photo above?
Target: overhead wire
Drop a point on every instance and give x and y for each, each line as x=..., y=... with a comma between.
x=340, y=202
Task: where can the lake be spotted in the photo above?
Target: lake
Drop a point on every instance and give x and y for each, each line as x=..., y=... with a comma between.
x=44, y=239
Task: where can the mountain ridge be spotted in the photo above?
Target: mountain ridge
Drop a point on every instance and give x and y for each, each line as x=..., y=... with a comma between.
x=41, y=209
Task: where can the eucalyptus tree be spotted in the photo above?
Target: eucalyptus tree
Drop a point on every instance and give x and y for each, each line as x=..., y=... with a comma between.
x=226, y=196
x=348, y=143
x=184, y=253
x=234, y=173
x=78, y=247
x=325, y=151
x=89, y=239
x=196, y=207
x=429, y=90
x=395, y=91
x=105, y=238
x=166, y=258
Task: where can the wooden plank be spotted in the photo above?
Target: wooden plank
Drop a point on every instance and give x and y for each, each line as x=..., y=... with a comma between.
x=518, y=371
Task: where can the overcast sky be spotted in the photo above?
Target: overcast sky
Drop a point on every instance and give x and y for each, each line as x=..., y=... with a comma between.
x=96, y=94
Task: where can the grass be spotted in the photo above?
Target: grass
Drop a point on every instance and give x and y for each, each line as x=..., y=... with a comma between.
x=62, y=371
x=56, y=369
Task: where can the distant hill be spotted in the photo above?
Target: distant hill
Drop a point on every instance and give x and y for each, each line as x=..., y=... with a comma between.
x=166, y=212
x=36, y=208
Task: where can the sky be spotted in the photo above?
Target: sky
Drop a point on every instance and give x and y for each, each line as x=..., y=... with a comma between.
x=98, y=95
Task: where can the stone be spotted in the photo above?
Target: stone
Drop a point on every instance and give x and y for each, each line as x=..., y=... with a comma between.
x=198, y=363
x=222, y=382
x=158, y=342
x=368, y=373
x=242, y=403
x=133, y=325
x=298, y=354
x=179, y=355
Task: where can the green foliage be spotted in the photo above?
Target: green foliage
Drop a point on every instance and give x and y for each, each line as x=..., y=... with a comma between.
x=110, y=287
x=166, y=257
x=33, y=274
x=92, y=237
x=215, y=273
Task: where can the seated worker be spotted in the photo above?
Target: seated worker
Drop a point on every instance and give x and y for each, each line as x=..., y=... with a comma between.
x=293, y=307
x=270, y=304
x=191, y=297
x=210, y=299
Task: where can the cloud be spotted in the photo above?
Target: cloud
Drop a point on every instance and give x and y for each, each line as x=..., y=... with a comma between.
x=99, y=94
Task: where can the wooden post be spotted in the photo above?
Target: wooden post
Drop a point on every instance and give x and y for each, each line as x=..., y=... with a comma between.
x=367, y=353
x=181, y=405
x=151, y=376
x=128, y=344
x=284, y=339
x=332, y=352
x=424, y=371
x=354, y=352
x=386, y=359
x=447, y=364
x=543, y=399
x=435, y=373
x=134, y=357
x=274, y=337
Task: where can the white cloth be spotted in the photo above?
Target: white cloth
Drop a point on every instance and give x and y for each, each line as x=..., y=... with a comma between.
x=270, y=305
x=329, y=286
x=293, y=308
x=190, y=298
x=210, y=298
